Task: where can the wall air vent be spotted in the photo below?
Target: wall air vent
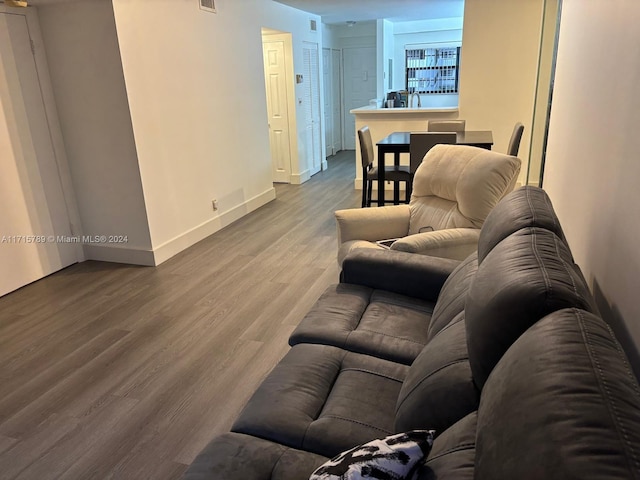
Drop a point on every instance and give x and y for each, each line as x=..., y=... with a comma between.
x=208, y=5
x=313, y=26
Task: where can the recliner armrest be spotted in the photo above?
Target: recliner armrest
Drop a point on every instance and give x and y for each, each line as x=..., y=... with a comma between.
x=372, y=223
x=419, y=276
x=457, y=243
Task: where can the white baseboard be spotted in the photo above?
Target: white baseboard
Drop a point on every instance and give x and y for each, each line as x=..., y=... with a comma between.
x=176, y=245
x=136, y=256
x=117, y=254
x=300, y=178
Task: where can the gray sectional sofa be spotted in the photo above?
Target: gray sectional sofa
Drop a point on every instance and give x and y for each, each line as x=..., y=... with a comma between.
x=503, y=355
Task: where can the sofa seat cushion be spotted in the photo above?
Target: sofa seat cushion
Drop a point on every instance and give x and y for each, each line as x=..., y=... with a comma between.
x=234, y=456
x=452, y=455
x=439, y=389
x=561, y=403
x=324, y=400
x=363, y=320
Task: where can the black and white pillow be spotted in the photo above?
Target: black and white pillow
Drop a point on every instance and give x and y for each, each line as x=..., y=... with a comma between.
x=394, y=458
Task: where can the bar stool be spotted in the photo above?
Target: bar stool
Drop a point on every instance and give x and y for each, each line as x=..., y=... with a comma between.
x=370, y=171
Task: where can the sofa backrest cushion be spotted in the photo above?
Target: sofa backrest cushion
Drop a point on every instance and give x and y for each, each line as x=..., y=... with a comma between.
x=438, y=390
x=457, y=186
x=524, y=207
x=562, y=403
x=525, y=277
x=453, y=295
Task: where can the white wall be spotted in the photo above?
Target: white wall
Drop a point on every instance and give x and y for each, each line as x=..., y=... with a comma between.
x=199, y=115
x=158, y=125
x=362, y=34
x=198, y=109
x=84, y=63
x=593, y=166
x=385, y=55
x=498, y=69
x=329, y=39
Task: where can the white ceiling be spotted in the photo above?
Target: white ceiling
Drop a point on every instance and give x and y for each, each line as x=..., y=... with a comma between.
x=339, y=11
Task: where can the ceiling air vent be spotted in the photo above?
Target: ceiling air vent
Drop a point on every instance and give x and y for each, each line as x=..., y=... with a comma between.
x=208, y=5
x=313, y=26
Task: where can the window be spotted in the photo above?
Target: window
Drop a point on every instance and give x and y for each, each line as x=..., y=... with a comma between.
x=432, y=70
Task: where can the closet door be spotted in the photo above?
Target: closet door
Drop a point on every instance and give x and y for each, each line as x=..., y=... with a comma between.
x=35, y=231
x=359, y=87
x=311, y=100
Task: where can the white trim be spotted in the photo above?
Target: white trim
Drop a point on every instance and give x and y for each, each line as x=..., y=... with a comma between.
x=108, y=253
x=53, y=122
x=300, y=178
x=162, y=253
x=174, y=246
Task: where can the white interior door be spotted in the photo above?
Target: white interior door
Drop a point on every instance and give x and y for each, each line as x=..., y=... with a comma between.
x=336, y=99
x=34, y=221
x=359, y=86
x=328, y=101
x=277, y=109
x=311, y=101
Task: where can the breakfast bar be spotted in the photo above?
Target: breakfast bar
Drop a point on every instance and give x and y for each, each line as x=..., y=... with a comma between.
x=384, y=121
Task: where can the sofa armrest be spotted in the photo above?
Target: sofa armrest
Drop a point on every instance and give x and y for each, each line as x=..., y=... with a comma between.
x=372, y=223
x=456, y=243
x=418, y=276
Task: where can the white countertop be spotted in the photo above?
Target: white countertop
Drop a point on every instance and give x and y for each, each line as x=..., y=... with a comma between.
x=370, y=109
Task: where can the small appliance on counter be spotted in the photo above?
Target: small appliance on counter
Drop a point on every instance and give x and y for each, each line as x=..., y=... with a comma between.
x=395, y=100
x=392, y=98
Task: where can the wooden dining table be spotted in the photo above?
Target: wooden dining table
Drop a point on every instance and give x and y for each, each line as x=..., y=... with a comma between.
x=399, y=142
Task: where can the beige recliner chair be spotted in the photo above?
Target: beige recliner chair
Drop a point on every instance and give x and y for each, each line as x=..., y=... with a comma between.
x=454, y=189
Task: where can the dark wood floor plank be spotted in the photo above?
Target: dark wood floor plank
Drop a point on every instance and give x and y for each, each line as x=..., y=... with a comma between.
x=29, y=388
x=119, y=371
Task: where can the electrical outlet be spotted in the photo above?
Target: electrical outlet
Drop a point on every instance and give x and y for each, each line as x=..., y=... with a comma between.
x=214, y=204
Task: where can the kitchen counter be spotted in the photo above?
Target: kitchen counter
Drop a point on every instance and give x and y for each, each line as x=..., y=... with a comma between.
x=371, y=110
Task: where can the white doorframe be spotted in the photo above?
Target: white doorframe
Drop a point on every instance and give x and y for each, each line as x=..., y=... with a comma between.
x=328, y=102
x=337, y=104
x=36, y=179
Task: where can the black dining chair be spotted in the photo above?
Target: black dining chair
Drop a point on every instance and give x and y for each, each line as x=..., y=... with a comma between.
x=421, y=142
x=370, y=171
x=446, y=125
x=514, y=143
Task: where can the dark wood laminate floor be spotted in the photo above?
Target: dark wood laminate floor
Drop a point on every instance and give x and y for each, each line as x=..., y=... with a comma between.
x=116, y=371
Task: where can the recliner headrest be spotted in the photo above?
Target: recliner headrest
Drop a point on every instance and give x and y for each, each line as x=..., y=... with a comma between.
x=475, y=178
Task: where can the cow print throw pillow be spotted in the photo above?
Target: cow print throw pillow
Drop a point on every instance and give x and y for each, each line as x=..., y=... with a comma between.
x=393, y=458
